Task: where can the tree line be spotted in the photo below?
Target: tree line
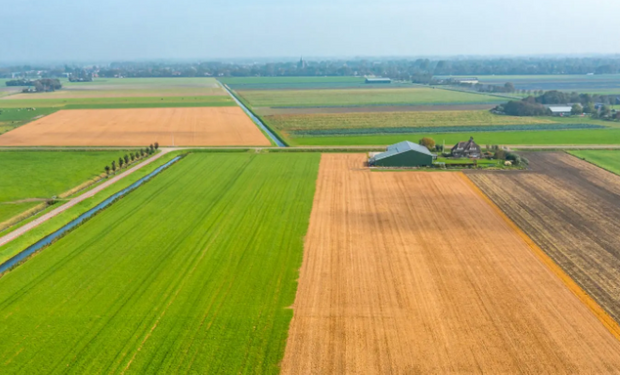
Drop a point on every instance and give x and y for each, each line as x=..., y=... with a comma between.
x=38, y=85
x=127, y=158
x=420, y=70
x=597, y=106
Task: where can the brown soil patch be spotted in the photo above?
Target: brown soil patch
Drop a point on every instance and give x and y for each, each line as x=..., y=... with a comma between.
x=267, y=111
x=571, y=209
x=203, y=126
x=413, y=272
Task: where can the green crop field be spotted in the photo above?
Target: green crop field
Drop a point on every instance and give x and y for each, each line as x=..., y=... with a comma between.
x=48, y=227
x=362, y=97
x=10, y=210
x=43, y=174
x=607, y=159
x=413, y=124
x=192, y=273
x=553, y=137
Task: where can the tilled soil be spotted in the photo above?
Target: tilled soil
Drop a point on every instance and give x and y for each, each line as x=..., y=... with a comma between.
x=414, y=272
x=201, y=126
x=571, y=209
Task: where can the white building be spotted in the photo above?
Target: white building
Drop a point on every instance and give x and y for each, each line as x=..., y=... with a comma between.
x=561, y=111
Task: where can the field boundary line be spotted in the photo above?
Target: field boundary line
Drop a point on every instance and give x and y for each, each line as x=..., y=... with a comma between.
x=584, y=297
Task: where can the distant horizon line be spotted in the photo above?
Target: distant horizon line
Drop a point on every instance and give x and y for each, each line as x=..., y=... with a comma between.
x=267, y=59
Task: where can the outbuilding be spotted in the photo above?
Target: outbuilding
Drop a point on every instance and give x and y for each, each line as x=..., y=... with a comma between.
x=378, y=80
x=561, y=111
x=403, y=154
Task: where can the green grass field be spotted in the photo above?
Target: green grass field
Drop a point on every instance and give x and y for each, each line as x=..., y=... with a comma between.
x=556, y=137
x=362, y=97
x=17, y=245
x=8, y=211
x=607, y=159
x=203, y=288
x=43, y=174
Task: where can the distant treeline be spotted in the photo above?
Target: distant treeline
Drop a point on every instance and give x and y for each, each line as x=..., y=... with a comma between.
x=20, y=82
x=598, y=106
x=39, y=85
x=418, y=70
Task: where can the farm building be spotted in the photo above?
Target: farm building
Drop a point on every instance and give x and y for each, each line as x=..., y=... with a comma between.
x=467, y=149
x=470, y=80
x=378, y=80
x=561, y=111
x=403, y=154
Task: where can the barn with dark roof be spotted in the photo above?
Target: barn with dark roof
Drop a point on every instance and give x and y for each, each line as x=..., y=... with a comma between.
x=403, y=154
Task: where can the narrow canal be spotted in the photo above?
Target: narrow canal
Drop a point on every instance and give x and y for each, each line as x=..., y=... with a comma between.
x=256, y=120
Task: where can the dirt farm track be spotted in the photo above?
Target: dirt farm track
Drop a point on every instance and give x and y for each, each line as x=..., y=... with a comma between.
x=419, y=273
x=202, y=126
x=571, y=208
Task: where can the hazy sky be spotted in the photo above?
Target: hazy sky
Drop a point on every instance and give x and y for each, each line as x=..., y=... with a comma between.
x=35, y=30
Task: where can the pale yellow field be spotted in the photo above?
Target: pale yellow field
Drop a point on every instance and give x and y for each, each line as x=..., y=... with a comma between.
x=200, y=126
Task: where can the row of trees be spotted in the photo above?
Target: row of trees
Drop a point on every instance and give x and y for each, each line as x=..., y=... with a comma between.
x=43, y=85
x=559, y=97
x=127, y=158
x=20, y=82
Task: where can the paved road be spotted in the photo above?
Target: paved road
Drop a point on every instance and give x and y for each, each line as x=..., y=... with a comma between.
x=35, y=223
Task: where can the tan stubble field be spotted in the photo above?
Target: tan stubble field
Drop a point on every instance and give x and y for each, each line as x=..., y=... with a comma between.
x=414, y=272
x=200, y=126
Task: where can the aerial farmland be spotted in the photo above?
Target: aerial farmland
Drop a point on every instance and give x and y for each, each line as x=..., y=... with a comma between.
x=227, y=254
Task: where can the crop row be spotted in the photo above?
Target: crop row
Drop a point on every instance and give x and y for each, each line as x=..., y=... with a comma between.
x=440, y=129
x=191, y=273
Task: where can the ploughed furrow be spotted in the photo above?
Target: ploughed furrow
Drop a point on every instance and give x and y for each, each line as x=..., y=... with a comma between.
x=570, y=208
x=192, y=273
x=415, y=272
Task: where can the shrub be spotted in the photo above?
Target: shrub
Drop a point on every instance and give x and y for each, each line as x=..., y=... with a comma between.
x=500, y=154
x=428, y=143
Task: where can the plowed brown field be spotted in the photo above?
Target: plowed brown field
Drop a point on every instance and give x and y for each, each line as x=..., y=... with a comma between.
x=204, y=126
x=413, y=272
x=571, y=208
